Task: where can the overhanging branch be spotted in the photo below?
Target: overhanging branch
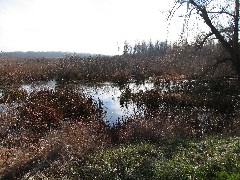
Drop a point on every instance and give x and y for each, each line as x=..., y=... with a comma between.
x=204, y=15
x=220, y=12
x=199, y=46
x=206, y=36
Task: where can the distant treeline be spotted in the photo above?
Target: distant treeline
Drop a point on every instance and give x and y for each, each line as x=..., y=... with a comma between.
x=162, y=48
x=146, y=48
x=40, y=54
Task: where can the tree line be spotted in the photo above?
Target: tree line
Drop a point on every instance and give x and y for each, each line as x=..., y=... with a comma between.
x=146, y=48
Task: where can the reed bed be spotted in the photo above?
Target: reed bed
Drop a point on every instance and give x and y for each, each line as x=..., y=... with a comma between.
x=61, y=133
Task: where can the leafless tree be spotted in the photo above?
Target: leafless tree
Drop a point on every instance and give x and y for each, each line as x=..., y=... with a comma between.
x=222, y=18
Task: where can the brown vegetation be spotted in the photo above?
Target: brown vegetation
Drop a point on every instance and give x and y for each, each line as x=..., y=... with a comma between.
x=46, y=130
x=178, y=61
x=45, y=126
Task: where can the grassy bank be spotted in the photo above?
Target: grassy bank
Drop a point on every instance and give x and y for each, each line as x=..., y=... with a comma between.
x=212, y=157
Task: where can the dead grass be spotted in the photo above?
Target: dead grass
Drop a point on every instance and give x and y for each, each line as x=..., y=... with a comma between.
x=179, y=61
x=59, y=147
x=46, y=128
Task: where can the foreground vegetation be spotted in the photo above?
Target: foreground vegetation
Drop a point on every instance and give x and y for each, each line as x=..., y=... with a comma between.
x=187, y=132
x=61, y=134
x=208, y=158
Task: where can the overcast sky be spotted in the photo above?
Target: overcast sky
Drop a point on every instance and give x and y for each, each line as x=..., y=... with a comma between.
x=91, y=26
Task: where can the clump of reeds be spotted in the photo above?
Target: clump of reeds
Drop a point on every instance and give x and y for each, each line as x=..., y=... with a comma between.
x=49, y=127
x=196, y=109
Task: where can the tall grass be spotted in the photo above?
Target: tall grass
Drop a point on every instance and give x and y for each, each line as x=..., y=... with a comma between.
x=61, y=133
x=44, y=126
x=179, y=61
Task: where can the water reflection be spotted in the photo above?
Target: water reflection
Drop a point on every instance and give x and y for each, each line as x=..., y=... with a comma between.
x=1, y=93
x=109, y=95
x=106, y=94
x=50, y=85
x=2, y=107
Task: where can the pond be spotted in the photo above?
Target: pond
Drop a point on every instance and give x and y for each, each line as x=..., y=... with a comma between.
x=2, y=107
x=107, y=94
x=38, y=86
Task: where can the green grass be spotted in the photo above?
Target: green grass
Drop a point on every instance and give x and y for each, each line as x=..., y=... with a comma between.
x=209, y=158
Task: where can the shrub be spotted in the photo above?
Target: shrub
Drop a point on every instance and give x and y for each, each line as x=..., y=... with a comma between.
x=46, y=110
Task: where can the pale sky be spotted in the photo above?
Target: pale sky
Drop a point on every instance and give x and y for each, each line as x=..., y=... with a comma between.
x=90, y=26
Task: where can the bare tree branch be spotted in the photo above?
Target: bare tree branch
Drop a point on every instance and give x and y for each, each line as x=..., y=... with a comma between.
x=220, y=12
x=228, y=37
x=206, y=36
x=199, y=46
x=173, y=10
x=207, y=20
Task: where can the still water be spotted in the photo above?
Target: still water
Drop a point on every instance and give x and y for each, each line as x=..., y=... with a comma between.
x=107, y=94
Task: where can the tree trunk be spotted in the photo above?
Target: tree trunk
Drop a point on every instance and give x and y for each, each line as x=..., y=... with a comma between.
x=236, y=57
x=232, y=49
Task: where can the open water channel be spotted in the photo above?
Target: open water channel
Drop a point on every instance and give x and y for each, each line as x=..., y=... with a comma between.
x=107, y=94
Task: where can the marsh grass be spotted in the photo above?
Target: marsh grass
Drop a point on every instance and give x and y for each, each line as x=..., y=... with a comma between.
x=61, y=134
x=53, y=151
x=48, y=126
x=197, y=108
x=208, y=158
x=176, y=63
